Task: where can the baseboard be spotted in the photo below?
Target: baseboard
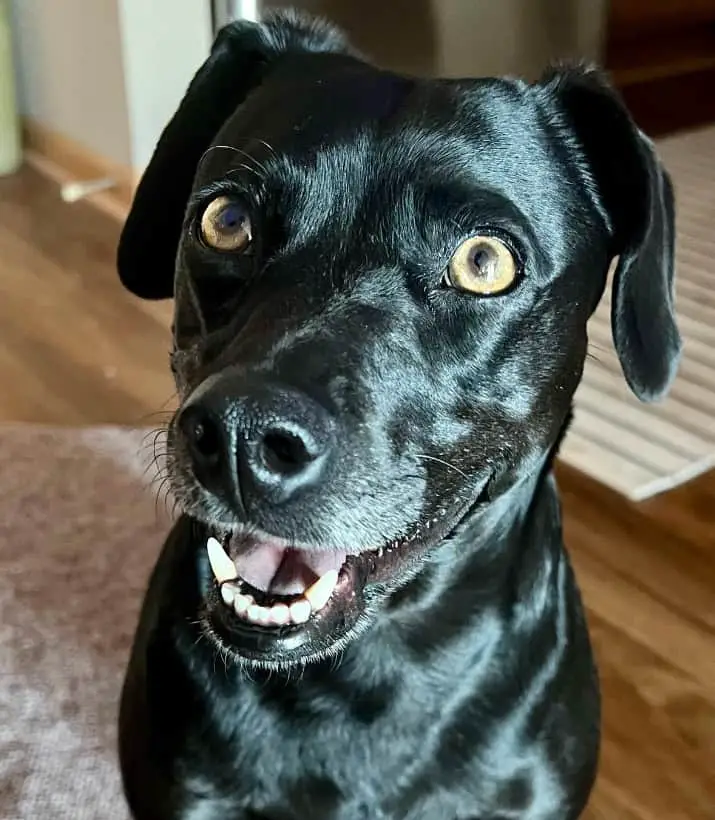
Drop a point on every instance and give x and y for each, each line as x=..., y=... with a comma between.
x=63, y=159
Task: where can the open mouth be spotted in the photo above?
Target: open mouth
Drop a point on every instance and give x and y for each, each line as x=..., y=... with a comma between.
x=272, y=585
x=270, y=588
x=274, y=602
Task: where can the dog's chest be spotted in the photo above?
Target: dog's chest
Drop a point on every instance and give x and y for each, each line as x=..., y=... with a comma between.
x=328, y=756
x=331, y=759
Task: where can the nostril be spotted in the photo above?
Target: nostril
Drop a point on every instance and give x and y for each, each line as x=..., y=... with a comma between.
x=202, y=434
x=284, y=452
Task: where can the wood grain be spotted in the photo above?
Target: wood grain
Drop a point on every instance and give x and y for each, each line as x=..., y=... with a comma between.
x=75, y=349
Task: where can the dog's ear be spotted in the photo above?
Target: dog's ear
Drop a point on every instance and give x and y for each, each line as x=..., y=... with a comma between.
x=240, y=58
x=636, y=196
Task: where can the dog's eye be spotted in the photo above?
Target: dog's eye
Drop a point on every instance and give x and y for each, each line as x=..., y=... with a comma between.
x=482, y=265
x=225, y=225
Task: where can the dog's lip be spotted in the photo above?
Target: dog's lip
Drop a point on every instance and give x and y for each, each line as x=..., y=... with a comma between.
x=238, y=539
x=256, y=642
x=295, y=641
x=270, y=645
x=262, y=578
x=332, y=626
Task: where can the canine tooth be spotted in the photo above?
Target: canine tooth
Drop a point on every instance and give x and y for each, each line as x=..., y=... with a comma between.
x=300, y=611
x=221, y=565
x=321, y=590
x=241, y=603
x=228, y=593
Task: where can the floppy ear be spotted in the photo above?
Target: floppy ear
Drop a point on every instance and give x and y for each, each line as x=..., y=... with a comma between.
x=240, y=58
x=636, y=194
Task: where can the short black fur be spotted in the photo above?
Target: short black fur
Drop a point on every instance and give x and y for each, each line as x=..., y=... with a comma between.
x=458, y=683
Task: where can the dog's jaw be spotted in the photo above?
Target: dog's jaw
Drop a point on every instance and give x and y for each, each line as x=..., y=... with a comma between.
x=365, y=582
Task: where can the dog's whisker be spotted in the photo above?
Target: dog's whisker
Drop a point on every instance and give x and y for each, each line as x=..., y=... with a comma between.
x=213, y=148
x=260, y=169
x=268, y=146
x=253, y=159
x=157, y=464
x=162, y=496
x=157, y=461
x=174, y=396
x=243, y=167
x=445, y=463
x=157, y=429
x=158, y=438
x=160, y=413
x=154, y=433
x=158, y=480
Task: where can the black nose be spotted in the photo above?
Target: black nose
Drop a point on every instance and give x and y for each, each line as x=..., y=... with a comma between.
x=265, y=444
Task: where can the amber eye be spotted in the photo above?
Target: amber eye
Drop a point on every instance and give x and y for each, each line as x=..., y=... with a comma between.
x=482, y=265
x=225, y=225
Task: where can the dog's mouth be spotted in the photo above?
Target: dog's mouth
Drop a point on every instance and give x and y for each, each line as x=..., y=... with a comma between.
x=273, y=603
x=270, y=583
x=270, y=598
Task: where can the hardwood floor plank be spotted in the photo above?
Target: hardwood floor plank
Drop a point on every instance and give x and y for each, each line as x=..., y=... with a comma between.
x=68, y=325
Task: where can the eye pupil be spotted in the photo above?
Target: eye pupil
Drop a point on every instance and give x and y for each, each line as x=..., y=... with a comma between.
x=225, y=225
x=483, y=260
x=231, y=218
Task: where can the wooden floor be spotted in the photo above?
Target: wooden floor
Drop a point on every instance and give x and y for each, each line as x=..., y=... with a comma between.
x=74, y=349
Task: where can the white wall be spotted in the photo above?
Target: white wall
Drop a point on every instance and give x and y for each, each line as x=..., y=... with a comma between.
x=163, y=43
x=70, y=74
x=108, y=73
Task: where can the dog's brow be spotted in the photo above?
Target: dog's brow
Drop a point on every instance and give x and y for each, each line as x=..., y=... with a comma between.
x=259, y=165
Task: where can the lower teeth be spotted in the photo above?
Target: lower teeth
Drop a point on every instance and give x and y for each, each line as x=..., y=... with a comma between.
x=277, y=614
x=295, y=611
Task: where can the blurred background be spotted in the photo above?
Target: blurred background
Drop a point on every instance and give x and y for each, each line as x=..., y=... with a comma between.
x=107, y=74
x=86, y=86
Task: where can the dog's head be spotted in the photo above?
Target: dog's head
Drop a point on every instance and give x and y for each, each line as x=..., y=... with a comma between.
x=382, y=287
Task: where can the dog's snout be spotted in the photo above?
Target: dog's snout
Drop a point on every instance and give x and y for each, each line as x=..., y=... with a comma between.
x=262, y=445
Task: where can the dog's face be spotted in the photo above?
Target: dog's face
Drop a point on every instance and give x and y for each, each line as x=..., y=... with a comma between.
x=382, y=287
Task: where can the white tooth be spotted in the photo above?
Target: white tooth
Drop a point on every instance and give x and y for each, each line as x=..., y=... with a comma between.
x=300, y=611
x=228, y=593
x=222, y=566
x=241, y=603
x=280, y=614
x=264, y=615
x=258, y=614
x=321, y=590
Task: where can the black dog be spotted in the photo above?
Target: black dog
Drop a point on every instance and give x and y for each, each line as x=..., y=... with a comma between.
x=382, y=286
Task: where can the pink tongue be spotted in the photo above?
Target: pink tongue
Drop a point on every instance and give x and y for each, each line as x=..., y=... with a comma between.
x=284, y=571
